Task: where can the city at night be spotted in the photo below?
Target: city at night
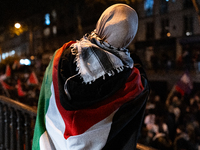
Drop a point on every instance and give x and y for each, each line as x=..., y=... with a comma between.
x=100, y=75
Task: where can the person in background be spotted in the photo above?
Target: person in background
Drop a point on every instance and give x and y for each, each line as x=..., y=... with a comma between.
x=93, y=94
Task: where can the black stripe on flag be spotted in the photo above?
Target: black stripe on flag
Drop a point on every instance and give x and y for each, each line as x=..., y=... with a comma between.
x=103, y=59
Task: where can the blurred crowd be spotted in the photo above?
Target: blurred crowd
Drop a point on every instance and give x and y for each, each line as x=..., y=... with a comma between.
x=169, y=124
x=172, y=124
x=21, y=83
x=186, y=61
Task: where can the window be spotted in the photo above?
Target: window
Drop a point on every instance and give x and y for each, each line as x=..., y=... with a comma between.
x=148, y=7
x=188, y=25
x=163, y=6
x=150, y=30
x=165, y=28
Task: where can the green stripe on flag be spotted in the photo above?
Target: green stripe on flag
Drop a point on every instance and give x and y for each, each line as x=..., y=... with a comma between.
x=43, y=103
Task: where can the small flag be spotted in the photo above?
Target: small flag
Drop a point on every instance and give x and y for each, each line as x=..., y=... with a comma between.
x=19, y=89
x=32, y=79
x=184, y=85
x=6, y=86
x=8, y=71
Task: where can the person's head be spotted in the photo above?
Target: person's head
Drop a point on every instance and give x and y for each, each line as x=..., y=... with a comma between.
x=118, y=25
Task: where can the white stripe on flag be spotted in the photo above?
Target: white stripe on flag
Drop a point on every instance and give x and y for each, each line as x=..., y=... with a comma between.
x=54, y=122
x=93, y=139
x=45, y=142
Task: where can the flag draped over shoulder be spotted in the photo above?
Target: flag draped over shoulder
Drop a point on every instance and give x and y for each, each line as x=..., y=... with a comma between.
x=111, y=123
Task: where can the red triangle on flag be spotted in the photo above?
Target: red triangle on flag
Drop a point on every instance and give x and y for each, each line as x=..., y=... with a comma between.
x=32, y=78
x=19, y=89
x=8, y=71
x=6, y=86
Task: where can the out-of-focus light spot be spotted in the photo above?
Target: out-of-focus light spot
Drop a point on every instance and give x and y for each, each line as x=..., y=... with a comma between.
x=5, y=55
x=12, y=52
x=47, y=31
x=167, y=0
x=32, y=57
x=148, y=7
x=26, y=62
x=148, y=4
x=168, y=34
x=54, y=15
x=188, y=33
x=47, y=19
x=54, y=30
x=17, y=25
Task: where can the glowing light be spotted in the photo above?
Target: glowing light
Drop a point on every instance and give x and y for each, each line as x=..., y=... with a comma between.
x=188, y=33
x=148, y=4
x=47, y=19
x=12, y=52
x=25, y=62
x=54, y=30
x=148, y=7
x=7, y=54
x=168, y=34
x=32, y=57
x=3, y=56
x=17, y=25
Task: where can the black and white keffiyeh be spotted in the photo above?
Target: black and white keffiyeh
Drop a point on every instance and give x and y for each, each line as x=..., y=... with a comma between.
x=103, y=52
x=95, y=58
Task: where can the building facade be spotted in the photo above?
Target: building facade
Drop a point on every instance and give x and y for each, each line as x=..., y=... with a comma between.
x=44, y=32
x=167, y=28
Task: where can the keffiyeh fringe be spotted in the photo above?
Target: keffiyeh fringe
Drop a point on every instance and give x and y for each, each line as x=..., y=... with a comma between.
x=95, y=58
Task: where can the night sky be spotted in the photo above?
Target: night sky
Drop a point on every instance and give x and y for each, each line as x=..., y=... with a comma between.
x=15, y=10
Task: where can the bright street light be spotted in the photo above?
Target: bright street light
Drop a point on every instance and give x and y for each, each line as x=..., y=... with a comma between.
x=17, y=25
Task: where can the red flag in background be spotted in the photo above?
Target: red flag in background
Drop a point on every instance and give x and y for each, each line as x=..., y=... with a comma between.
x=8, y=71
x=19, y=89
x=32, y=79
x=6, y=86
x=184, y=85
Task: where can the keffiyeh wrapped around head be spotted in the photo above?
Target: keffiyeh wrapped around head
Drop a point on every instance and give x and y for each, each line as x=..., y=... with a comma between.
x=104, y=50
x=118, y=25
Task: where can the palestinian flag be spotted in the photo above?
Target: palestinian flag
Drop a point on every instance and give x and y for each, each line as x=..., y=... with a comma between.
x=184, y=85
x=20, y=92
x=32, y=79
x=6, y=86
x=8, y=71
x=113, y=123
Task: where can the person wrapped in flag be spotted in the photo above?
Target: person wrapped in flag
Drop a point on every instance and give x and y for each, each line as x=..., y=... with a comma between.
x=94, y=94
